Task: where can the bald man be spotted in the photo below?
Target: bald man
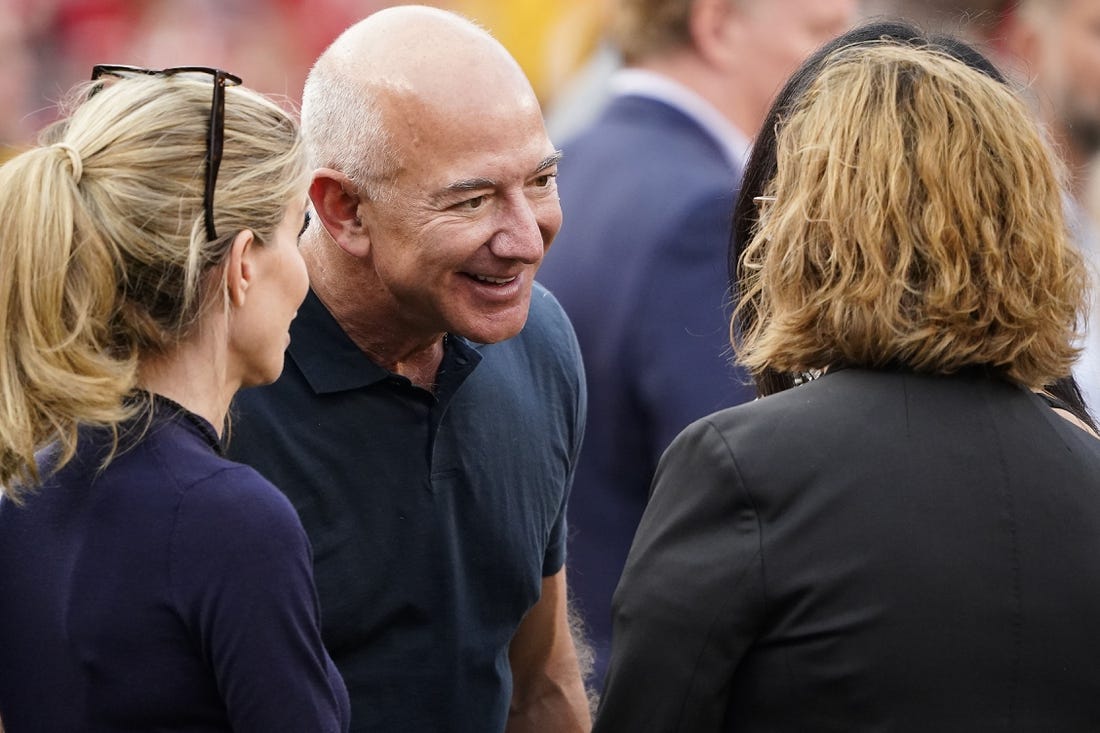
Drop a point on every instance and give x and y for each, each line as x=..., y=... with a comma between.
x=432, y=407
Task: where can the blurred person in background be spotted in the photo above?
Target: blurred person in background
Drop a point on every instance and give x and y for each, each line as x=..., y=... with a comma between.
x=259, y=37
x=550, y=39
x=640, y=264
x=1054, y=47
x=271, y=42
x=973, y=21
x=16, y=68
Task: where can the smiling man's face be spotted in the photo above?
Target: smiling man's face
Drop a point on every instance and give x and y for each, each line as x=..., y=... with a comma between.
x=468, y=215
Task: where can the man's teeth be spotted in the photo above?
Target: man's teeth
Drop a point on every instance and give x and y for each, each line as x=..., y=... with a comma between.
x=494, y=280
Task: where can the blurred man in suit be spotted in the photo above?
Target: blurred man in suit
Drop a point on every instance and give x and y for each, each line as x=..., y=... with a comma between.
x=640, y=264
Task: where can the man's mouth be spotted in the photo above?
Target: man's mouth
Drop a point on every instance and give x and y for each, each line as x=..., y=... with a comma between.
x=493, y=280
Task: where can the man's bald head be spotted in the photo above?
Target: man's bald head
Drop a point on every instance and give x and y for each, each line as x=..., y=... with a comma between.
x=370, y=87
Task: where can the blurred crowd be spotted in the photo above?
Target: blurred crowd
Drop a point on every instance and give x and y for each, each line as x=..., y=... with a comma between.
x=47, y=46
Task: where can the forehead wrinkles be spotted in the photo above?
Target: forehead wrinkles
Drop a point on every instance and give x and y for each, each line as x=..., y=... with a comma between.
x=483, y=88
x=441, y=139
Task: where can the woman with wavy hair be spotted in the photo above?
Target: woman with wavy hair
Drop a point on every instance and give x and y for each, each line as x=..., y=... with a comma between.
x=1064, y=395
x=150, y=271
x=908, y=541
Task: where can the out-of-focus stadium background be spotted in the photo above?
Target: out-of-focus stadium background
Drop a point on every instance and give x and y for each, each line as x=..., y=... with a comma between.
x=47, y=46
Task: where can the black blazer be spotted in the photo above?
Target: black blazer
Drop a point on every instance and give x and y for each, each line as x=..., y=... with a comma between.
x=873, y=551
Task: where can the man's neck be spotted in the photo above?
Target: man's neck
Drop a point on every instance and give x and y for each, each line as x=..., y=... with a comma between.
x=372, y=319
x=418, y=361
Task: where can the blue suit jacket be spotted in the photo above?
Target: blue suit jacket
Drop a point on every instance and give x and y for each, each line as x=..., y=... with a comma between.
x=640, y=267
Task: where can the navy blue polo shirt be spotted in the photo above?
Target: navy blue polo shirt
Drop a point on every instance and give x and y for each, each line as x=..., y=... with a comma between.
x=433, y=516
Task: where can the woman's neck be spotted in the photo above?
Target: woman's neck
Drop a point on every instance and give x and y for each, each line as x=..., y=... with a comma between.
x=196, y=377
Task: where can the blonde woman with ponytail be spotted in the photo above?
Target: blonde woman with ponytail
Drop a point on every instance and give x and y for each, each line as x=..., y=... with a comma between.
x=150, y=270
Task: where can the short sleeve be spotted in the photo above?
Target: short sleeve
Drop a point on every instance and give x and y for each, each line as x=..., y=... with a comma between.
x=554, y=559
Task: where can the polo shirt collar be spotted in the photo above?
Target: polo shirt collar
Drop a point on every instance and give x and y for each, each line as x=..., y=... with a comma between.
x=331, y=362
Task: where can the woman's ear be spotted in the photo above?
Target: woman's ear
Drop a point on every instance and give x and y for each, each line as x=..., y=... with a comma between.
x=240, y=268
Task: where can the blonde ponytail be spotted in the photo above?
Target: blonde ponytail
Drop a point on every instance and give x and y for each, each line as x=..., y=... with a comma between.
x=58, y=293
x=105, y=256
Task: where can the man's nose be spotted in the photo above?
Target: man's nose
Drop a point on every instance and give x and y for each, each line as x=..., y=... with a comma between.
x=520, y=235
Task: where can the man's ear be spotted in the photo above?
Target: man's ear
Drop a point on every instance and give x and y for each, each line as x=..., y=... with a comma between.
x=336, y=202
x=1022, y=40
x=713, y=25
x=240, y=269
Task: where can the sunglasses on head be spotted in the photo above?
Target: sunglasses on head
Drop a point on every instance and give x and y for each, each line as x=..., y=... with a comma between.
x=215, y=138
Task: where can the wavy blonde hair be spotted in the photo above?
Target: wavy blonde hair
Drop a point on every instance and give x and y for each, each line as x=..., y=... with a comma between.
x=918, y=223
x=105, y=253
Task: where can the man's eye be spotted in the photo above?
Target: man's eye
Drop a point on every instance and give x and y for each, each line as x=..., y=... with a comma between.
x=545, y=180
x=474, y=203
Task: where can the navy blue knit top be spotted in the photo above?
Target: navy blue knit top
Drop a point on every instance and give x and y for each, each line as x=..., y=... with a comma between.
x=170, y=591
